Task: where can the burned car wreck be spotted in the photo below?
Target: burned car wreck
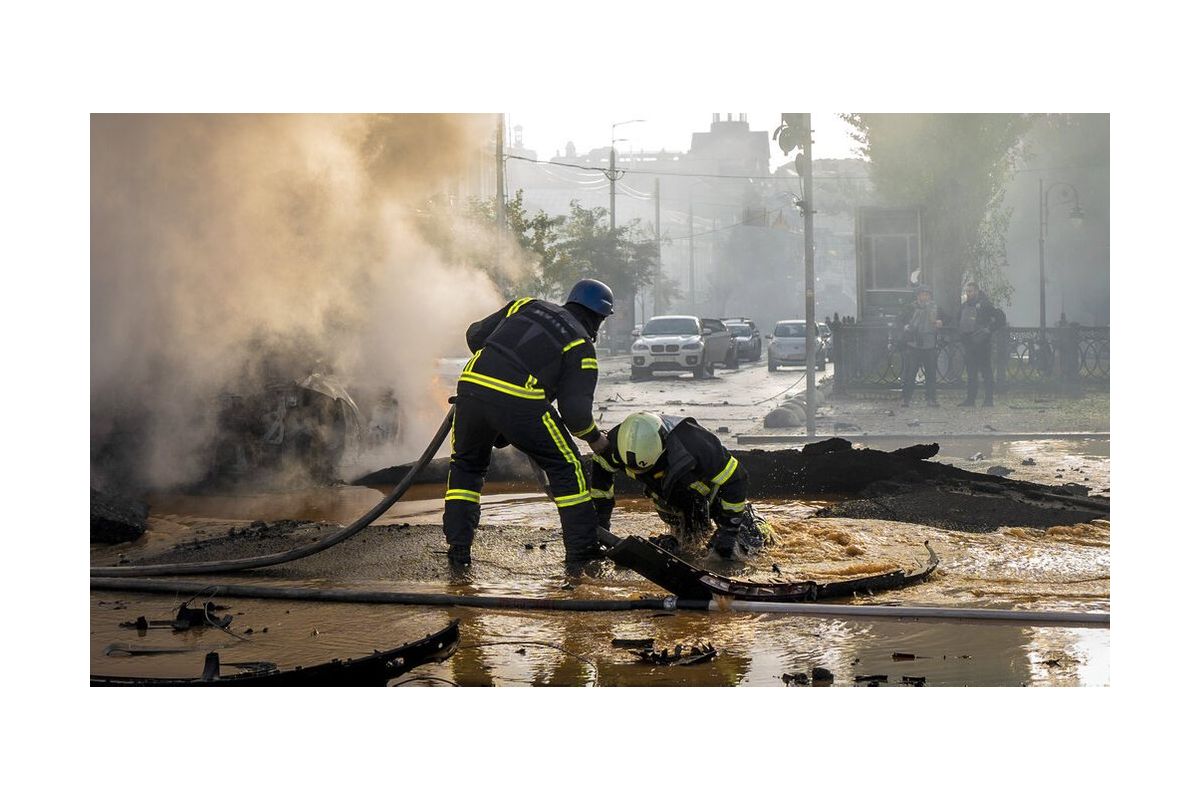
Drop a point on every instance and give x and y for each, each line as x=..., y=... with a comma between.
x=303, y=426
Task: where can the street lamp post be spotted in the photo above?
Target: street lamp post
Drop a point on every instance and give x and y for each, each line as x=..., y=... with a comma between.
x=1068, y=194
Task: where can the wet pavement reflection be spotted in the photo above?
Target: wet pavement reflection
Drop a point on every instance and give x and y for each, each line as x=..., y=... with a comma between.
x=519, y=552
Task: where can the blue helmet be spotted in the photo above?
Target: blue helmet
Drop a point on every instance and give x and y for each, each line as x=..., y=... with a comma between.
x=592, y=295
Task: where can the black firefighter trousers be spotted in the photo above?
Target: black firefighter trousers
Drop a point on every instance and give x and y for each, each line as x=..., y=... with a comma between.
x=533, y=427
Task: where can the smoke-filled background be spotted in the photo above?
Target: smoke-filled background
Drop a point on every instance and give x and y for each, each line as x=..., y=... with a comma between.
x=221, y=242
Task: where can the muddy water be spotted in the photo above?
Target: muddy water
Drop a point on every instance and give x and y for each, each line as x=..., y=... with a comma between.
x=1054, y=461
x=519, y=552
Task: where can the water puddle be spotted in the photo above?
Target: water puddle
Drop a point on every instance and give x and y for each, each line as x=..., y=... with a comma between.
x=519, y=552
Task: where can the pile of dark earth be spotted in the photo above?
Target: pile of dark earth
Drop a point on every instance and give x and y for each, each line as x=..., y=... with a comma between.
x=901, y=485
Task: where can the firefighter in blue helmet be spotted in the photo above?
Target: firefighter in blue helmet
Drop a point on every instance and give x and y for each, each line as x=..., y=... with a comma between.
x=692, y=479
x=526, y=356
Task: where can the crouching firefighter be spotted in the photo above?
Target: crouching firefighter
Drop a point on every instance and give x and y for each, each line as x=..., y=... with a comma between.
x=692, y=479
x=526, y=356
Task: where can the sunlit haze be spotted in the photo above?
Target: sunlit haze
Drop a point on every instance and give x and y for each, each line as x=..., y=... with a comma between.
x=548, y=130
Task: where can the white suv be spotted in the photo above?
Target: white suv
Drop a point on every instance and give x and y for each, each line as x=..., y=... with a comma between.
x=682, y=344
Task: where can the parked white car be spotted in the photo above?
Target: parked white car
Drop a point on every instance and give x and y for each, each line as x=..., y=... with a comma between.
x=682, y=344
x=787, y=346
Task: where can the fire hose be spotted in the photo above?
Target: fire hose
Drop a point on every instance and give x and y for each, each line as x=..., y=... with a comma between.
x=110, y=578
x=324, y=543
x=669, y=603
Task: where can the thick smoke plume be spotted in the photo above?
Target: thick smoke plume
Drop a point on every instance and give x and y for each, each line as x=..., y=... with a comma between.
x=220, y=239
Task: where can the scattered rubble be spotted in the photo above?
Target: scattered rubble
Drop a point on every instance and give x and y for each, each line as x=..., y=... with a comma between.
x=698, y=654
x=186, y=618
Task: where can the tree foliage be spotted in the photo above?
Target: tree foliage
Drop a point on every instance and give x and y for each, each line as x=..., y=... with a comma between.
x=592, y=249
x=543, y=255
x=532, y=244
x=956, y=167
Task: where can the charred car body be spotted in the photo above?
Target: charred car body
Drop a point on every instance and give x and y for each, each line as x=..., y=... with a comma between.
x=303, y=425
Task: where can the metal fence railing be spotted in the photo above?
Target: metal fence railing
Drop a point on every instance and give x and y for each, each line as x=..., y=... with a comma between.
x=869, y=355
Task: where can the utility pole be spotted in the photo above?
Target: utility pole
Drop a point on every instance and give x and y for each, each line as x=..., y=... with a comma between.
x=612, y=187
x=691, y=259
x=810, y=310
x=499, y=183
x=658, y=251
x=612, y=171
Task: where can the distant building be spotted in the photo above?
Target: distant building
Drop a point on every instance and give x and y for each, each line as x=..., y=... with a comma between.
x=732, y=234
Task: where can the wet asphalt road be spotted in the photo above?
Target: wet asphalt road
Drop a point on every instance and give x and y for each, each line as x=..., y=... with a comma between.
x=575, y=649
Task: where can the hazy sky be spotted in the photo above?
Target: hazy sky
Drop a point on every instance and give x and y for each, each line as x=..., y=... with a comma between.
x=549, y=130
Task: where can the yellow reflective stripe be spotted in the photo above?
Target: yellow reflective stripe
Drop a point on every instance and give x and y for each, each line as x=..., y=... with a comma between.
x=575, y=343
x=462, y=494
x=602, y=461
x=530, y=382
x=572, y=499
x=502, y=386
x=474, y=358
x=724, y=474
x=516, y=306
x=600, y=494
x=589, y=363
x=585, y=431
x=737, y=508
x=565, y=449
x=702, y=488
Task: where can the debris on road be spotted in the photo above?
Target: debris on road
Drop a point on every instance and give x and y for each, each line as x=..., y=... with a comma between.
x=698, y=654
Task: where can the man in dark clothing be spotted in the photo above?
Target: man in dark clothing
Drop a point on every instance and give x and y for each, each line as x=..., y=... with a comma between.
x=975, y=323
x=527, y=355
x=920, y=352
x=691, y=477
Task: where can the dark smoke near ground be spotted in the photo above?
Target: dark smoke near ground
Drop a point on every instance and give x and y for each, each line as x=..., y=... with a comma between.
x=230, y=250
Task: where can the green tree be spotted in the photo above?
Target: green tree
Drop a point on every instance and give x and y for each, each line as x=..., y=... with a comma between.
x=956, y=167
x=592, y=249
x=544, y=255
x=537, y=237
x=516, y=263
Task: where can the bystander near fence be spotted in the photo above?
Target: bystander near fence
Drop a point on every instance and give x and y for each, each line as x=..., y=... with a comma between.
x=868, y=355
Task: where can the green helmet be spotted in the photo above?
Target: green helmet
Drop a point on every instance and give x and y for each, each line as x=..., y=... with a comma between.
x=639, y=440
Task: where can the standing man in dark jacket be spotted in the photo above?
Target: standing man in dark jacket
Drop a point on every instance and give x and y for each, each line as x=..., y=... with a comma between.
x=920, y=334
x=525, y=356
x=691, y=477
x=975, y=323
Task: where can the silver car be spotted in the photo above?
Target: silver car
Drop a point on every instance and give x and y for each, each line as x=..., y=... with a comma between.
x=787, y=346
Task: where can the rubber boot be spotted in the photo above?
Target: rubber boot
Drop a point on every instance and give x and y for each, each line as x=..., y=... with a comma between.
x=459, y=556
x=724, y=543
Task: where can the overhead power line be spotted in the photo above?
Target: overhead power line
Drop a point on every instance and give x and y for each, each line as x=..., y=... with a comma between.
x=634, y=171
x=765, y=215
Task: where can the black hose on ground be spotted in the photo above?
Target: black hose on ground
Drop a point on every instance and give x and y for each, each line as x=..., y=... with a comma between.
x=382, y=597
x=669, y=603
x=253, y=562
